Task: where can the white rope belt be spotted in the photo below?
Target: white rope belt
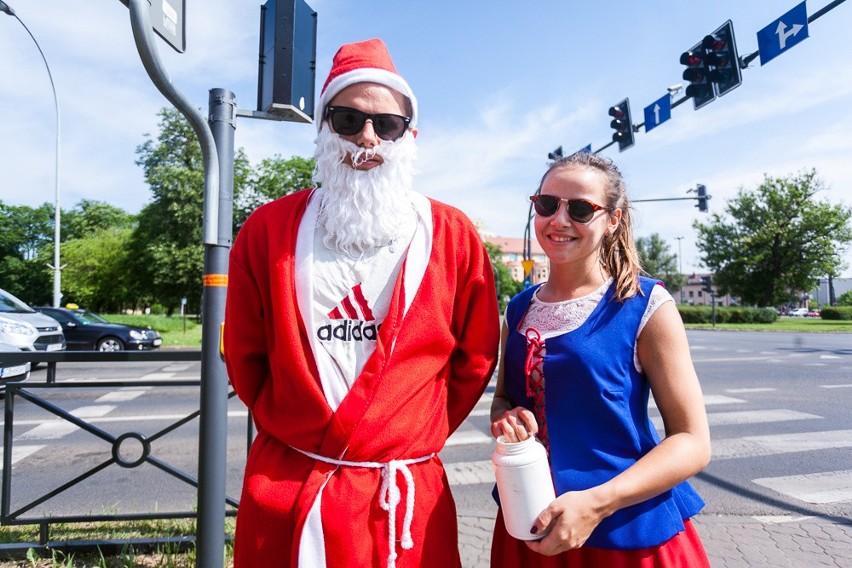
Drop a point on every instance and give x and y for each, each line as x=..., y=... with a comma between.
x=389, y=496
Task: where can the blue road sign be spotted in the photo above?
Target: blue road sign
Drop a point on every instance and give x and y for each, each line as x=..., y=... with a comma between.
x=587, y=149
x=658, y=112
x=783, y=33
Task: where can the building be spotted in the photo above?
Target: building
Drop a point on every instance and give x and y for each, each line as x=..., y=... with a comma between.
x=821, y=295
x=513, y=254
x=693, y=293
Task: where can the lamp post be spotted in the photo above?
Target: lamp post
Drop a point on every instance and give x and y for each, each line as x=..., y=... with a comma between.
x=680, y=264
x=57, y=269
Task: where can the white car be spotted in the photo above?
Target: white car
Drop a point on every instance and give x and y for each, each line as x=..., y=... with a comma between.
x=798, y=312
x=27, y=329
x=11, y=371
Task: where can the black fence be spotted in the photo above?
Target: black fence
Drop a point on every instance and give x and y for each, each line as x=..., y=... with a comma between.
x=128, y=451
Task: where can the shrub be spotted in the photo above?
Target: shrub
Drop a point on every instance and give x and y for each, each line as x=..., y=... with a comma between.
x=704, y=314
x=836, y=313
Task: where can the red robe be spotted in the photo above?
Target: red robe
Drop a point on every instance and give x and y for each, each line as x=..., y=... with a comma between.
x=428, y=371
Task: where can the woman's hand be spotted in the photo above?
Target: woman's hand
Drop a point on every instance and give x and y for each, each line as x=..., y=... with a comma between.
x=516, y=425
x=573, y=516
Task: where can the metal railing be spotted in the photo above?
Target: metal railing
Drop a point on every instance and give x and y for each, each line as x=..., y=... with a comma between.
x=128, y=450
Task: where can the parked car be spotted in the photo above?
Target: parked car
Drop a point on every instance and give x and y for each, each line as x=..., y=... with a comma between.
x=87, y=331
x=11, y=372
x=27, y=329
x=798, y=312
x=813, y=314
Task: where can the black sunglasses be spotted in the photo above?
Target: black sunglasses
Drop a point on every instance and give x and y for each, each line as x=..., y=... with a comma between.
x=350, y=121
x=579, y=210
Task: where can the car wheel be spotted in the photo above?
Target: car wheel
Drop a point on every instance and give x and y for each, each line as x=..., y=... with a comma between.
x=110, y=344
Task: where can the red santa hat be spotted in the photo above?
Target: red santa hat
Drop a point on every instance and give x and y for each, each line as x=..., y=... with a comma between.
x=363, y=62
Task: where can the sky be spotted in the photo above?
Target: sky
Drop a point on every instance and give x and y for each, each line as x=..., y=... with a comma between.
x=499, y=85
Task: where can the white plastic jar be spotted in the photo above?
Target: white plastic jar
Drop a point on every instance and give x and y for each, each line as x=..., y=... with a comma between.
x=523, y=483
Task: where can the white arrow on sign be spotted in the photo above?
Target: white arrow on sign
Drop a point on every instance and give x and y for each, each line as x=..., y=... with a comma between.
x=783, y=34
x=656, y=114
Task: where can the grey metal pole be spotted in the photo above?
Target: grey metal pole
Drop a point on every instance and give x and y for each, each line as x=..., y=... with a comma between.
x=57, y=269
x=213, y=435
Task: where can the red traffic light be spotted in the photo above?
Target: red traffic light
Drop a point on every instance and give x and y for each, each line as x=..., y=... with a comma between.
x=618, y=113
x=691, y=58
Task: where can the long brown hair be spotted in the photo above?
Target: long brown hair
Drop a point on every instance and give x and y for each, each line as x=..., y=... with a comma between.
x=618, y=250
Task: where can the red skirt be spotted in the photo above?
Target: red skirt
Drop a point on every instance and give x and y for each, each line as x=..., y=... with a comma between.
x=682, y=550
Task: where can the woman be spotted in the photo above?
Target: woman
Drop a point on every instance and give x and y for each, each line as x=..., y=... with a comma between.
x=580, y=355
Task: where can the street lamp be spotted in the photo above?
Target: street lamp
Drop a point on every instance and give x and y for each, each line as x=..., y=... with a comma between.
x=57, y=269
x=680, y=263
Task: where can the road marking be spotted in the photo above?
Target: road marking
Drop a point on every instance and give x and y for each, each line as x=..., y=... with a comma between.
x=818, y=488
x=176, y=368
x=747, y=391
x=56, y=428
x=709, y=400
x=748, y=417
x=20, y=452
x=481, y=412
x=472, y=436
x=713, y=399
x=470, y=473
x=156, y=376
x=145, y=418
x=122, y=395
x=751, y=446
x=836, y=386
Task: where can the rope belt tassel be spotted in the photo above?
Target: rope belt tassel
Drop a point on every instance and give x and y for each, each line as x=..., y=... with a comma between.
x=389, y=495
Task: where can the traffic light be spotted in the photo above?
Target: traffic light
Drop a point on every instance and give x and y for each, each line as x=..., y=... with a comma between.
x=702, y=198
x=707, y=284
x=712, y=66
x=622, y=124
x=722, y=59
x=700, y=88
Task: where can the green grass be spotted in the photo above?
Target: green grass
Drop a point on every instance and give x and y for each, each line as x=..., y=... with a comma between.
x=176, y=331
x=162, y=556
x=803, y=325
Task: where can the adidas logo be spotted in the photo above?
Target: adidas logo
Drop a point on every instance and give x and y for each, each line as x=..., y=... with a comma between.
x=355, y=313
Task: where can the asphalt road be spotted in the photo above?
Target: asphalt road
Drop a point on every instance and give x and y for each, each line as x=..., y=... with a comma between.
x=778, y=405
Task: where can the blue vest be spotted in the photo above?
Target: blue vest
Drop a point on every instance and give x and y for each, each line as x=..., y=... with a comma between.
x=596, y=405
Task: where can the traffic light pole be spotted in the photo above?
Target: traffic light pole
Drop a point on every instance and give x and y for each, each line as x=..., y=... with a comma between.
x=210, y=535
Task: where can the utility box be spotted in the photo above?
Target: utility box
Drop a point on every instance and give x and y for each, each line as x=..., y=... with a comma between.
x=287, y=61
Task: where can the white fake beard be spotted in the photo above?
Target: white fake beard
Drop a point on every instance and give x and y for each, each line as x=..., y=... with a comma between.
x=363, y=210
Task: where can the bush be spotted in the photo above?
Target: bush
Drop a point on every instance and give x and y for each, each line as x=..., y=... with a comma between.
x=704, y=314
x=836, y=313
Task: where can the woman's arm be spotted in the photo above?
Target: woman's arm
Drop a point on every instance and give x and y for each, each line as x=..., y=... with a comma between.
x=514, y=423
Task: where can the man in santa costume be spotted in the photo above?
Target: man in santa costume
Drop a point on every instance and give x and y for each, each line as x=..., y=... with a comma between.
x=361, y=329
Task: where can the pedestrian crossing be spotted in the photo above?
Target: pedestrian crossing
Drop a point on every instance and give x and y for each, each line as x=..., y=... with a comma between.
x=723, y=409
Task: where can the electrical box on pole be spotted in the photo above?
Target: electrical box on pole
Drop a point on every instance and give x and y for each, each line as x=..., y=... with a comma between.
x=287, y=61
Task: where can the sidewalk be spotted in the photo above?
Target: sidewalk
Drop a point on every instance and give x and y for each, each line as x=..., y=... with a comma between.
x=731, y=542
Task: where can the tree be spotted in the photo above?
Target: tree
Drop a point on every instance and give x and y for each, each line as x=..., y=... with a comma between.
x=26, y=247
x=504, y=283
x=774, y=242
x=658, y=262
x=274, y=178
x=89, y=217
x=96, y=274
x=167, y=250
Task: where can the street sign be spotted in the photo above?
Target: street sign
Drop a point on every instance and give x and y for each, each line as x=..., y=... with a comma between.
x=783, y=33
x=587, y=149
x=167, y=19
x=658, y=112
